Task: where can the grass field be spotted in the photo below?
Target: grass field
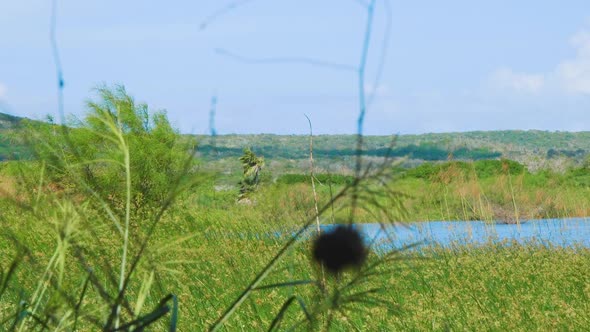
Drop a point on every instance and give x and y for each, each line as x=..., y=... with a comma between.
x=223, y=246
x=113, y=226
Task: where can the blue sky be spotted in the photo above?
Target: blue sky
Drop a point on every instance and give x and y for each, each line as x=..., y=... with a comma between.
x=453, y=65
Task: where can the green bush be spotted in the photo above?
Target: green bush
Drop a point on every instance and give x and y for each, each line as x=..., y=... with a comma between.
x=578, y=177
x=483, y=168
x=88, y=157
x=487, y=168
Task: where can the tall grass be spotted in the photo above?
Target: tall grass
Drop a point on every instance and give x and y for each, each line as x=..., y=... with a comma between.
x=104, y=262
x=494, y=287
x=65, y=195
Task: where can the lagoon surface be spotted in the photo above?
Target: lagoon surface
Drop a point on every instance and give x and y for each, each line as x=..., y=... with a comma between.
x=551, y=232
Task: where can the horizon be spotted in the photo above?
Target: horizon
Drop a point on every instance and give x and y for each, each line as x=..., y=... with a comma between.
x=365, y=135
x=448, y=67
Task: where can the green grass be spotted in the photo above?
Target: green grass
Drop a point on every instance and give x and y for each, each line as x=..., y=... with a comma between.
x=119, y=232
x=495, y=287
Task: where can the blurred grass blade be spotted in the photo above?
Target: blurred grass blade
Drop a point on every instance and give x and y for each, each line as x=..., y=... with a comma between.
x=9, y=274
x=278, y=318
x=79, y=304
x=161, y=310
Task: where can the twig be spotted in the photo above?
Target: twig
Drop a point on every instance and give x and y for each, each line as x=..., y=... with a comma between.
x=362, y=104
x=221, y=12
x=315, y=195
x=383, y=55
x=285, y=60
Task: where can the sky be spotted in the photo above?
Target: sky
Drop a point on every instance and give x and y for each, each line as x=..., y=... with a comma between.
x=448, y=66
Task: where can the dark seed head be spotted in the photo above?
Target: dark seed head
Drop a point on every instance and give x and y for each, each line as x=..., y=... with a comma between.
x=339, y=248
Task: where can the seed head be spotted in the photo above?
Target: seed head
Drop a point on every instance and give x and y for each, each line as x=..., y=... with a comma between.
x=339, y=248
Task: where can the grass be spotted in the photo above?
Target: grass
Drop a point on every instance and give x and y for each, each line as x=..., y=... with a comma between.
x=494, y=287
x=83, y=250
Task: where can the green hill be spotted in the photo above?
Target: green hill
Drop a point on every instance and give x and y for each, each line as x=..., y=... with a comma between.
x=9, y=121
x=9, y=149
x=534, y=148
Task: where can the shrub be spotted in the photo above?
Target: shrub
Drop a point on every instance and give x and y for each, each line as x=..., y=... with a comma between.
x=88, y=157
x=97, y=191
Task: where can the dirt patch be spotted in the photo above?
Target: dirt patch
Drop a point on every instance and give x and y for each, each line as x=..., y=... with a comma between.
x=7, y=187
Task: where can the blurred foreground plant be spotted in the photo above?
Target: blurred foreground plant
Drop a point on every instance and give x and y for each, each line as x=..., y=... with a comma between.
x=100, y=186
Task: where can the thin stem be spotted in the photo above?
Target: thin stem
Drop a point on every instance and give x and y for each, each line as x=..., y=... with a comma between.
x=315, y=195
x=362, y=104
x=127, y=162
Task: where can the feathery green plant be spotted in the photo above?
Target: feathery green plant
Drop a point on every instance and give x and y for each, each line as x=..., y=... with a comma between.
x=108, y=178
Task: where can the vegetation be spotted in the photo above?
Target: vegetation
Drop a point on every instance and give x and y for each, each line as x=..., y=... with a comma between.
x=252, y=166
x=519, y=145
x=10, y=148
x=100, y=189
x=8, y=121
x=109, y=225
x=536, y=149
x=335, y=179
x=93, y=158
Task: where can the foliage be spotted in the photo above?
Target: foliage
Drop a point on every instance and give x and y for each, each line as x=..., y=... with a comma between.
x=496, y=286
x=89, y=206
x=87, y=160
x=579, y=177
x=338, y=146
x=261, y=251
x=9, y=121
x=480, y=168
x=577, y=153
x=252, y=166
x=322, y=178
x=534, y=148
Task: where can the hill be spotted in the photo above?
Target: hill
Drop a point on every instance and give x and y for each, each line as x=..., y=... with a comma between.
x=9, y=121
x=534, y=148
x=8, y=148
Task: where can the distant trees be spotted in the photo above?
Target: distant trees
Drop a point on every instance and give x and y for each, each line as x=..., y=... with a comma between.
x=554, y=153
x=423, y=151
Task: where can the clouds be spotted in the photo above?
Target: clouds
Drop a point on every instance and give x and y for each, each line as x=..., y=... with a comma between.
x=574, y=74
x=568, y=77
x=506, y=78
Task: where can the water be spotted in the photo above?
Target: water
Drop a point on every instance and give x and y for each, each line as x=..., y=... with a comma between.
x=551, y=232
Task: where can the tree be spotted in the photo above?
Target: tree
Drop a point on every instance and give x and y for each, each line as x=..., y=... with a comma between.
x=118, y=151
x=252, y=166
